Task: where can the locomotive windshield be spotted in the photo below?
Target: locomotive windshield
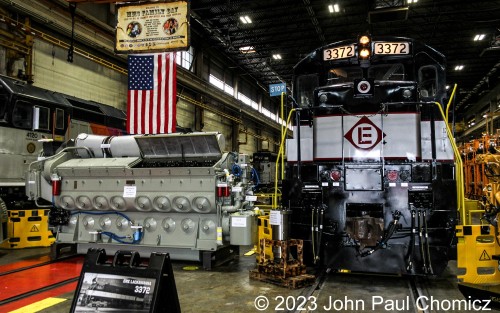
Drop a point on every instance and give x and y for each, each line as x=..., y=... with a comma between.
x=427, y=80
x=305, y=89
x=338, y=75
x=22, y=115
x=392, y=72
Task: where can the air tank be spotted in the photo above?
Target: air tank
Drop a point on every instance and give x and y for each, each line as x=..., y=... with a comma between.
x=109, y=146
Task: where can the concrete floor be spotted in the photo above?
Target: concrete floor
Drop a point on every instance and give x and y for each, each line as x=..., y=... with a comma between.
x=229, y=289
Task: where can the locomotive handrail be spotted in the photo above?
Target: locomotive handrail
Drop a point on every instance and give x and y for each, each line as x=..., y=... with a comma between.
x=283, y=130
x=280, y=154
x=458, y=159
x=449, y=102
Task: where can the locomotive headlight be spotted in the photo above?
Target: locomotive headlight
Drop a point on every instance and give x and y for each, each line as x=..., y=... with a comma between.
x=364, y=53
x=364, y=40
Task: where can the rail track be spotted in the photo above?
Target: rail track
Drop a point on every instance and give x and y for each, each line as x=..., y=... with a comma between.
x=27, y=281
x=340, y=292
x=35, y=264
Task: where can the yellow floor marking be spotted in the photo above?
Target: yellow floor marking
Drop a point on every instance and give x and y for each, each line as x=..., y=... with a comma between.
x=38, y=306
x=251, y=252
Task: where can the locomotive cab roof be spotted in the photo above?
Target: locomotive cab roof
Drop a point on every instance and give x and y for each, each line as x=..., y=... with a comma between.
x=21, y=88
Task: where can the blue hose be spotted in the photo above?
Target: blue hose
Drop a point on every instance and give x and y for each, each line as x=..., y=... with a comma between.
x=255, y=175
x=117, y=238
x=237, y=171
x=103, y=213
x=137, y=237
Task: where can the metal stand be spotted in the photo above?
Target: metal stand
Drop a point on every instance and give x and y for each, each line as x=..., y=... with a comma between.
x=287, y=272
x=213, y=259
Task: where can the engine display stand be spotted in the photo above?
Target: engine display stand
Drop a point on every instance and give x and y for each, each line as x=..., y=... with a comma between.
x=289, y=272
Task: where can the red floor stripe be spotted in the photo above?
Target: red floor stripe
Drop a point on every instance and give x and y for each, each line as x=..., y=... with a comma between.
x=21, y=282
x=23, y=263
x=47, y=294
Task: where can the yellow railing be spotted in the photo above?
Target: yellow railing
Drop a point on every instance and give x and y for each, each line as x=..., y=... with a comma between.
x=281, y=152
x=265, y=201
x=458, y=160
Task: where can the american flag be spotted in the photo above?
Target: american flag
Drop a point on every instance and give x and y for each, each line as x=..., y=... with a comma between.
x=152, y=89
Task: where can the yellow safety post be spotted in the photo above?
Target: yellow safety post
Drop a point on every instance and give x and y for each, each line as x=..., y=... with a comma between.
x=475, y=250
x=28, y=228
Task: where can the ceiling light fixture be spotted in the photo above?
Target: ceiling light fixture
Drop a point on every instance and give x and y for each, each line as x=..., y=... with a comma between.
x=412, y=1
x=247, y=49
x=277, y=56
x=459, y=67
x=333, y=8
x=479, y=37
x=245, y=19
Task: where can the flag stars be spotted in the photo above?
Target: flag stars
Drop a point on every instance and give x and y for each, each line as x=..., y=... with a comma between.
x=141, y=72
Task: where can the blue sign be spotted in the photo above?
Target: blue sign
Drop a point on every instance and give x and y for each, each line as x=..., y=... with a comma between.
x=277, y=89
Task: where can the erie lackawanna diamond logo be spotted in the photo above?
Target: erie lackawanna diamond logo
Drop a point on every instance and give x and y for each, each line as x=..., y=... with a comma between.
x=364, y=134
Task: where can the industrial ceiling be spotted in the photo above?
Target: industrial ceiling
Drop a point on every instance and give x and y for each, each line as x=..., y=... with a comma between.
x=293, y=28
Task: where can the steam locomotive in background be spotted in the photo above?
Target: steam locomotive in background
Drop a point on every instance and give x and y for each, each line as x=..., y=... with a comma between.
x=370, y=176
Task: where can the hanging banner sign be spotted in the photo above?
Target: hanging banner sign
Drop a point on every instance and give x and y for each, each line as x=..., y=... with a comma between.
x=151, y=27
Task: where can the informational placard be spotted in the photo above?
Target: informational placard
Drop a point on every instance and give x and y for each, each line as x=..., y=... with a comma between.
x=129, y=191
x=152, y=27
x=238, y=221
x=275, y=217
x=251, y=198
x=124, y=283
x=115, y=292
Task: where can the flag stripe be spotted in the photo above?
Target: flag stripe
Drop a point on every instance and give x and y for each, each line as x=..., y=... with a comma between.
x=130, y=112
x=155, y=118
x=161, y=111
x=172, y=91
x=152, y=91
x=167, y=101
x=164, y=98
